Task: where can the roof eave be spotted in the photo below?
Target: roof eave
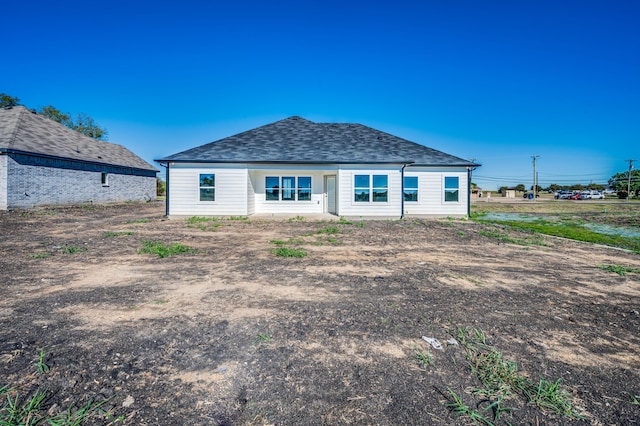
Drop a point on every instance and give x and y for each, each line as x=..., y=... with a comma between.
x=54, y=157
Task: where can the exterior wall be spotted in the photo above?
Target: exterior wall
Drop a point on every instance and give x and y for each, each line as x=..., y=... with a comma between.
x=431, y=192
x=3, y=181
x=258, y=176
x=240, y=190
x=347, y=206
x=230, y=190
x=33, y=181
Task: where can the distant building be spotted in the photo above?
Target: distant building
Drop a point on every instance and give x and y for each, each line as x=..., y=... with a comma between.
x=43, y=162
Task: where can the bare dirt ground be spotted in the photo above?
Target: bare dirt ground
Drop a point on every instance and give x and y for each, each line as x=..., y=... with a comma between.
x=232, y=334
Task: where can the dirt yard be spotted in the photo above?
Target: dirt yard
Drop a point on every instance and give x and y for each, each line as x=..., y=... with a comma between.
x=232, y=334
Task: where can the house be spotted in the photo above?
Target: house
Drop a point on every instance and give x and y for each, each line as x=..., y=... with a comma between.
x=296, y=166
x=43, y=162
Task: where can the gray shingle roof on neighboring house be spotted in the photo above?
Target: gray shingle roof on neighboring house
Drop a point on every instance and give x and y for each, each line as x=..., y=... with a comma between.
x=24, y=131
x=297, y=140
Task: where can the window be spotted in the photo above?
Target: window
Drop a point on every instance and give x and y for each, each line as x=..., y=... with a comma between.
x=368, y=188
x=304, y=188
x=272, y=184
x=451, y=188
x=411, y=188
x=207, y=187
x=104, y=179
x=288, y=188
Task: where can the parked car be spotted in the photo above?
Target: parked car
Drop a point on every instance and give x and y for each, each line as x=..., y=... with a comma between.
x=563, y=195
x=597, y=196
x=585, y=195
x=575, y=196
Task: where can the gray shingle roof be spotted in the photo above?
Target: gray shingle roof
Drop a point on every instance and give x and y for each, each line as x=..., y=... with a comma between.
x=297, y=140
x=24, y=131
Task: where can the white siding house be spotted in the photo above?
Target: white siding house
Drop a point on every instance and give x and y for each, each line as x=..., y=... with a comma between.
x=295, y=166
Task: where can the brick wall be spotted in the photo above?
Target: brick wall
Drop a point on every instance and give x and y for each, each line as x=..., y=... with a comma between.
x=33, y=181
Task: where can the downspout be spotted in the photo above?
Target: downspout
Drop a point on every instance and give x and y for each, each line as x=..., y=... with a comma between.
x=402, y=191
x=469, y=171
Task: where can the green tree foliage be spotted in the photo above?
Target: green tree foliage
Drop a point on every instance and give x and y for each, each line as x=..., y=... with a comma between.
x=619, y=182
x=8, y=101
x=520, y=187
x=82, y=123
x=55, y=114
x=161, y=187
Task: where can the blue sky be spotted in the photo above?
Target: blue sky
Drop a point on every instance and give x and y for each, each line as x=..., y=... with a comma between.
x=495, y=81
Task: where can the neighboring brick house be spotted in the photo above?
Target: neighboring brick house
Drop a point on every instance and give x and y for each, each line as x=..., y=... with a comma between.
x=43, y=162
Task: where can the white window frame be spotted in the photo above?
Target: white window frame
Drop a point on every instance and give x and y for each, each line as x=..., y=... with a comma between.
x=416, y=188
x=201, y=187
x=446, y=189
x=371, y=188
x=295, y=189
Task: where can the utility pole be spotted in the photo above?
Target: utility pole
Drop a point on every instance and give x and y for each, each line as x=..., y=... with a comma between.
x=535, y=176
x=629, y=178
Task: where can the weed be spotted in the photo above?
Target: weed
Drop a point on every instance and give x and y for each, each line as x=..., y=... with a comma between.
x=424, y=359
x=278, y=242
x=164, y=250
x=203, y=223
x=634, y=399
x=344, y=221
x=459, y=408
x=244, y=218
x=72, y=249
x=262, y=338
x=460, y=234
x=361, y=224
x=619, y=269
x=297, y=218
x=289, y=252
x=505, y=237
x=501, y=379
x=42, y=366
x=41, y=255
x=118, y=233
x=137, y=221
x=329, y=230
x=15, y=412
x=332, y=240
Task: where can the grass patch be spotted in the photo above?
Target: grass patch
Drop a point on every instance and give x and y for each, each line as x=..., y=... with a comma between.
x=262, y=338
x=137, y=221
x=117, y=233
x=242, y=218
x=572, y=229
x=344, y=221
x=423, y=359
x=162, y=249
x=41, y=255
x=329, y=230
x=14, y=411
x=66, y=249
x=501, y=380
x=506, y=238
x=203, y=223
x=296, y=219
x=289, y=252
x=619, y=269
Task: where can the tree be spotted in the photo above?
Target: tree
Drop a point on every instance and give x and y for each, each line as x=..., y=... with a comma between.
x=8, y=101
x=82, y=124
x=55, y=114
x=620, y=180
x=88, y=127
x=520, y=187
x=161, y=187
